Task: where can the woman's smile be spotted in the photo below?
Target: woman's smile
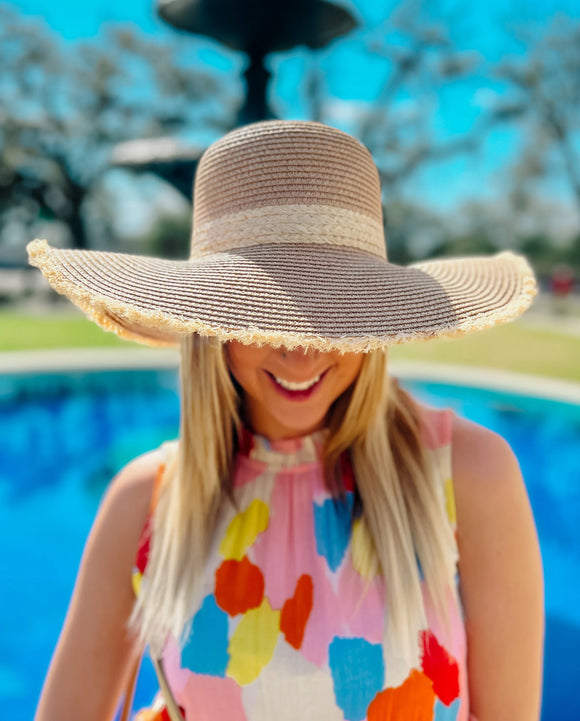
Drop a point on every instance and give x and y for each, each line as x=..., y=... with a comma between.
x=297, y=390
x=288, y=393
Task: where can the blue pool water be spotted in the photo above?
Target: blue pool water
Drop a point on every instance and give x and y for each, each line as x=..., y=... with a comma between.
x=65, y=436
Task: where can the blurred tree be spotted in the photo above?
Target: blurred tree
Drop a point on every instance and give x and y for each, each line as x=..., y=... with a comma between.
x=476, y=228
x=472, y=242
x=412, y=231
x=544, y=99
x=169, y=236
x=420, y=59
x=571, y=258
x=483, y=228
x=63, y=108
x=545, y=256
x=400, y=127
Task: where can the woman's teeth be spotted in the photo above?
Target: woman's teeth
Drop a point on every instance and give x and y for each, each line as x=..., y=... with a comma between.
x=297, y=386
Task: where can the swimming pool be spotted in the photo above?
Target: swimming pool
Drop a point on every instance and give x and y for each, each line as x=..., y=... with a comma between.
x=65, y=435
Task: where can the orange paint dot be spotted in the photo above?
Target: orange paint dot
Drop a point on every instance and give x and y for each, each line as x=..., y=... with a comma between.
x=413, y=700
x=239, y=586
x=296, y=611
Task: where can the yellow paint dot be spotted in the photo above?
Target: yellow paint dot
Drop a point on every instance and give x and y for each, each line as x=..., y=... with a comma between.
x=364, y=557
x=136, y=580
x=243, y=530
x=253, y=642
x=450, y=501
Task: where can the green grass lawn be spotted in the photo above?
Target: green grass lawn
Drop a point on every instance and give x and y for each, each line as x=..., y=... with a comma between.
x=28, y=332
x=514, y=347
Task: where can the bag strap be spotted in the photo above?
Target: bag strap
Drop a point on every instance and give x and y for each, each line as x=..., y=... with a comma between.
x=170, y=702
x=130, y=690
x=168, y=697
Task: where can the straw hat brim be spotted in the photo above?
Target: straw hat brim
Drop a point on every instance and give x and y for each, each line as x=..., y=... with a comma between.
x=289, y=294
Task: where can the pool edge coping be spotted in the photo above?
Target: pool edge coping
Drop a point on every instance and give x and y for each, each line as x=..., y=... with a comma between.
x=104, y=359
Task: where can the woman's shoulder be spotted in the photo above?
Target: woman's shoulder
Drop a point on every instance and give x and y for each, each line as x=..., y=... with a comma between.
x=479, y=454
x=488, y=485
x=435, y=423
x=135, y=482
x=127, y=501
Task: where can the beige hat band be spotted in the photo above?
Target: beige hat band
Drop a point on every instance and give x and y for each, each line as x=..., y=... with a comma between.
x=311, y=224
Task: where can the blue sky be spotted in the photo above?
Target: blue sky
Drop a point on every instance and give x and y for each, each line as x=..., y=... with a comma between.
x=352, y=76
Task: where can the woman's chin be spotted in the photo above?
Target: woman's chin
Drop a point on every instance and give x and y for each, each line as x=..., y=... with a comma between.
x=288, y=427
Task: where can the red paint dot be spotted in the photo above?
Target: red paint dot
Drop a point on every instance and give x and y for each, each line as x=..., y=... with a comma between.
x=347, y=472
x=440, y=667
x=163, y=715
x=144, y=544
x=239, y=586
x=296, y=611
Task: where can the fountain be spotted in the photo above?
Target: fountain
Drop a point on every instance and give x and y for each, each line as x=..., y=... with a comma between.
x=256, y=28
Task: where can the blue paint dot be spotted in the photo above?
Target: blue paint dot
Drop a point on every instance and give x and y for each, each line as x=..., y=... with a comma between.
x=206, y=650
x=332, y=528
x=358, y=674
x=446, y=713
x=419, y=568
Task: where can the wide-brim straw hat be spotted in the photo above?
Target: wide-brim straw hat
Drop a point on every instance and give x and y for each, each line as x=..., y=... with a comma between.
x=288, y=248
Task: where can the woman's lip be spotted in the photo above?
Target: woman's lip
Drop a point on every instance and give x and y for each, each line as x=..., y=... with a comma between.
x=296, y=395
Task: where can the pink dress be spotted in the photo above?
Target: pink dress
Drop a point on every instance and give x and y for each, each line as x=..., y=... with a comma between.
x=291, y=621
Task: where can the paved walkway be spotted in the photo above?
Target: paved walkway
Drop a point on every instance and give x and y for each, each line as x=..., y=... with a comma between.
x=559, y=323
x=542, y=315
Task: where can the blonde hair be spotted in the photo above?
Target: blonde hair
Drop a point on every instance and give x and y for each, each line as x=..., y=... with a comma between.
x=375, y=421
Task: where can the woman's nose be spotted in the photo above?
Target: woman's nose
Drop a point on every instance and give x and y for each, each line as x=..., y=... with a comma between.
x=299, y=354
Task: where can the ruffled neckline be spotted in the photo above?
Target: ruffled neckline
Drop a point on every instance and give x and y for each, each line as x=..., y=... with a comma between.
x=286, y=451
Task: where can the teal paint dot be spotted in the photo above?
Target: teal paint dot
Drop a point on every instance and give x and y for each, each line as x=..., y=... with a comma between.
x=332, y=529
x=206, y=650
x=358, y=674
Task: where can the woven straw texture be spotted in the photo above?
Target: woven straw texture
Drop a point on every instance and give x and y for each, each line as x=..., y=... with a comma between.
x=288, y=249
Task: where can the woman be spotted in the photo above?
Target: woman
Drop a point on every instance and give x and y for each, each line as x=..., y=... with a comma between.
x=317, y=545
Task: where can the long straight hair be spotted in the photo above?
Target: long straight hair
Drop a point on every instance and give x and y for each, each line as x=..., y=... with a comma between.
x=375, y=421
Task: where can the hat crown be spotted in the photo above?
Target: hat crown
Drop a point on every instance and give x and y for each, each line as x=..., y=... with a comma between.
x=287, y=182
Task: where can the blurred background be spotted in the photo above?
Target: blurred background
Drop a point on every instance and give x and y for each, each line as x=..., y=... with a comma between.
x=471, y=113
x=469, y=110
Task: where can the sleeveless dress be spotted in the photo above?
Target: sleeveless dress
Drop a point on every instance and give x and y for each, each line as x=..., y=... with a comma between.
x=290, y=626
